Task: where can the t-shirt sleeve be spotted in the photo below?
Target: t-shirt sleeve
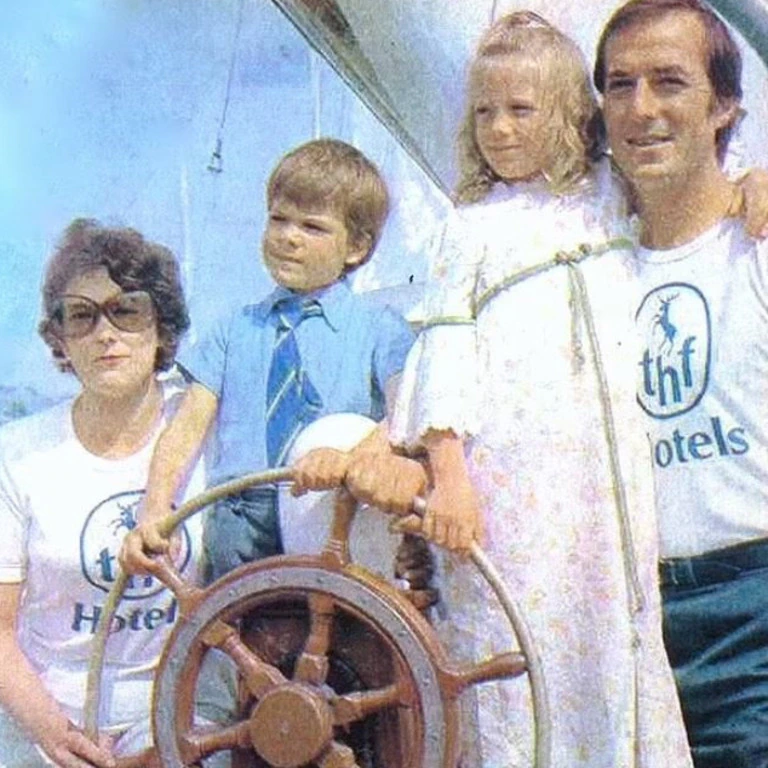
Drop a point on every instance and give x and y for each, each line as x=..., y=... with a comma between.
x=13, y=524
x=205, y=360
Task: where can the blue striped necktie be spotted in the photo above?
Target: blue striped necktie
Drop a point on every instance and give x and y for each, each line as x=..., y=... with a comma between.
x=292, y=400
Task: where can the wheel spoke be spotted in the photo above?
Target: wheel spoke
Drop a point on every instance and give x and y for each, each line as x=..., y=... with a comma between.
x=187, y=595
x=203, y=741
x=312, y=664
x=504, y=665
x=258, y=676
x=344, y=508
x=146, y=759
x=360, y=704
x=337, y=755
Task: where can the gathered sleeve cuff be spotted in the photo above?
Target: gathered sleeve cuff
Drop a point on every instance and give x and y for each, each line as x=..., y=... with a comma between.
x=438, y=388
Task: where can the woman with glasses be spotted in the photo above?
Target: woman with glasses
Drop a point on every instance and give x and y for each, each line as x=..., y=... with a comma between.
x=71, y=481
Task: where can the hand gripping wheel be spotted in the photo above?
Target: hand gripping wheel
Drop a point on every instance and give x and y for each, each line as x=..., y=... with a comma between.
x=298, y=715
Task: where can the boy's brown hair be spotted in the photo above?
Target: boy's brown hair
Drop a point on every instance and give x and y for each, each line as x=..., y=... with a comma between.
x=331, y=174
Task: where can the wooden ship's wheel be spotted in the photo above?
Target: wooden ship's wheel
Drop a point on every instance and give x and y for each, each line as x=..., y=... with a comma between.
x=336, y=667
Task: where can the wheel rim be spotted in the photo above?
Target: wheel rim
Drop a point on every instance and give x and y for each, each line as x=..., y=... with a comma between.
x=354, y=594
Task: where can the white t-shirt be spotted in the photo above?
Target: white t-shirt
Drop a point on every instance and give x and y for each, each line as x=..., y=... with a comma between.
x=63, y=514
x=702, y=314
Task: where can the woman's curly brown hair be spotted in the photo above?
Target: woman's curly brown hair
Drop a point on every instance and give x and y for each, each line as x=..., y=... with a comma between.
x=131, y=261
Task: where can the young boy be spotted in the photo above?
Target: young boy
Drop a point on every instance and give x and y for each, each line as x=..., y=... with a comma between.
x=310, y=348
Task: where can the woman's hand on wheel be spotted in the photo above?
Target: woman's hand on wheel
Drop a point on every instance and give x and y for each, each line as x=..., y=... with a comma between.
x=69, y=747
x=139, y=546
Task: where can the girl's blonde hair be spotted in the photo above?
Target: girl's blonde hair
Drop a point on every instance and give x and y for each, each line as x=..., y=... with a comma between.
x=575, y=137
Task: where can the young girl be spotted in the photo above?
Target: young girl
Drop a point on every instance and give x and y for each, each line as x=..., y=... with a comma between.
x=521, y=389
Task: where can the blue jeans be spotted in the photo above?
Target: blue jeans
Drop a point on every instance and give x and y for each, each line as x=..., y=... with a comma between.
x=241, y=529
x=716, y=635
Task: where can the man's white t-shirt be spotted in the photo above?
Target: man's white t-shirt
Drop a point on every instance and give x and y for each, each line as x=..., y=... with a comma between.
x=63, y=515
x=702, y=380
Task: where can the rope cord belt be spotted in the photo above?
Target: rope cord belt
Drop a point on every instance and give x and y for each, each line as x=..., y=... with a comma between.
x=576, y=256
x=635, y=596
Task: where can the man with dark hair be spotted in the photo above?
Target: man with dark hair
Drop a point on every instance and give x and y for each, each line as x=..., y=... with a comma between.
x=669, y=73
x=722, y=55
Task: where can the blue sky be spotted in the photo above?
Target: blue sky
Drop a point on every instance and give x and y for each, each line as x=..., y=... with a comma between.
x=112, y=109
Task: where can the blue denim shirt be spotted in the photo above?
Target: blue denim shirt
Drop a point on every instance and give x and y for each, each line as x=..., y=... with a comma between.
x=349, y=354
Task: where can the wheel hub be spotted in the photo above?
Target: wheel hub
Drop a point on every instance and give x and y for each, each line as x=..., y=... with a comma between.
x=290, y=725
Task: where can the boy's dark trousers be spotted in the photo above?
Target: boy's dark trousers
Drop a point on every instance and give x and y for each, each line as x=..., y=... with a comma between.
x=241, y=529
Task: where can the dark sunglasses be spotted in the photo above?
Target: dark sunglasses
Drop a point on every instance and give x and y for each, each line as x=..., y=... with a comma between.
x=76, y=316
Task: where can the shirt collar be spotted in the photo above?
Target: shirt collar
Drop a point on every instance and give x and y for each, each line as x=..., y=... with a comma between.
x=332, y=300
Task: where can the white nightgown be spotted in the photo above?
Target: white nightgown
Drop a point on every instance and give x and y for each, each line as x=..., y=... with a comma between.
x=506, y=361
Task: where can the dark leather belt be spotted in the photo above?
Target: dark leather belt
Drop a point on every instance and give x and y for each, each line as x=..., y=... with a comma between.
x=714, y=567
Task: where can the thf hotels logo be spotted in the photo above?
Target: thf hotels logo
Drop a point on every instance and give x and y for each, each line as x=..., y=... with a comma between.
x=674, y=322
x=100, y=542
